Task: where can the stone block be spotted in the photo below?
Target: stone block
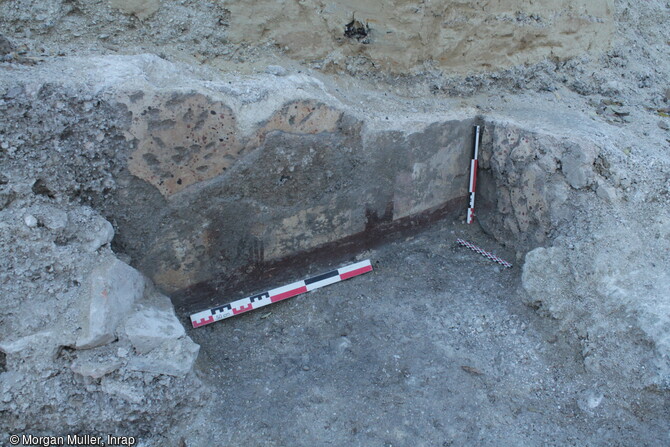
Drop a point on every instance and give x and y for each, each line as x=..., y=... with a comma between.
x=101, y=233
x=172, y=358
x=96, y=370
x=577, y=165
x=149, y=328
x=114, y=288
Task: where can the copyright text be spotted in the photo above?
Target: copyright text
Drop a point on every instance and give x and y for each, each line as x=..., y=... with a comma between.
x=71, y=440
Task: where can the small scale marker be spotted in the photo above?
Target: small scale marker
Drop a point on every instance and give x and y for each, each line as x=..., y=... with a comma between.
x=473, y=178
x=281, y=293
x=484, y=253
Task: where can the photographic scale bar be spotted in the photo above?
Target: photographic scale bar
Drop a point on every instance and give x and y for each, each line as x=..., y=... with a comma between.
x=484, y=253
x=281, y=293
x=472, y=187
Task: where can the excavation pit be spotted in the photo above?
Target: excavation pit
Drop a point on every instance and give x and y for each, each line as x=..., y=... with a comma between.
x=316, y=186
x=438, y=345
x=216, y=190
x=228, y=204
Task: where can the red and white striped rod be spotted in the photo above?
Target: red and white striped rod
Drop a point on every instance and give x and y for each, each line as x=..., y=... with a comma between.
x=279, y=294
x=473, y=179
x=484, y=253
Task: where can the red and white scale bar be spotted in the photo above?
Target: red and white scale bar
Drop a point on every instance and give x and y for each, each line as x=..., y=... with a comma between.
x=473, y=179
x=279, y=294
x=484, y=253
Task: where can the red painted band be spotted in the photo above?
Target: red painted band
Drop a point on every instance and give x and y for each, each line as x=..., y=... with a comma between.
x=360, y=271
x=243, y=309
x=203, y=321
x=289, y=294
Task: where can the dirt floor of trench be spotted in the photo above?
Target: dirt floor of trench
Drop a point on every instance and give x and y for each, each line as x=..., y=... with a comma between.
x=435, y=347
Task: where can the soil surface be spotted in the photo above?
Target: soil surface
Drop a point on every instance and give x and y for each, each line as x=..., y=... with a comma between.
x=435, y=347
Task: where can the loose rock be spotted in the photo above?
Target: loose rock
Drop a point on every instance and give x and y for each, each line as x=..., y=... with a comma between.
x=5, y=46
x=101, y=234
x=30, y=220
x=114, y=287
x=576, y=165
x=276, y=70
x=93, y=369
x=606, y=192
x=53, y=218
x=173, y=358
x=150, y=328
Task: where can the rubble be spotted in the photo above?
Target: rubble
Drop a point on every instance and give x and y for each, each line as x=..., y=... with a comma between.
x=69, y=292
x=142, y=9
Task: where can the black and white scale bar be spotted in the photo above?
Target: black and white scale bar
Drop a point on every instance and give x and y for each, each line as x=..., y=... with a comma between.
x=279, y=294
x=472, y=187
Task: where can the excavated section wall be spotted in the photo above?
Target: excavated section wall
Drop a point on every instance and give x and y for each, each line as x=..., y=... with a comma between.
x=218, y=198
x=401, y=35
x=208, y=180
x=213, y=194
x=559, y=196
x=216, y=180
x=532, y=183
x=396, y=36
x=212, y=180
